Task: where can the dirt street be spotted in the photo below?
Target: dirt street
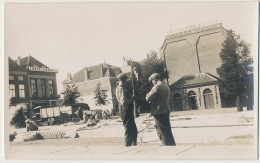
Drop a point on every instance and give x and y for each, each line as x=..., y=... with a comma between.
x=90, y=141
x=227, y=135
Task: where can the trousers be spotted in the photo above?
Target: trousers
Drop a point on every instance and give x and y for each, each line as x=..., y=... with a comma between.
x=130, y=127
x=163, y=128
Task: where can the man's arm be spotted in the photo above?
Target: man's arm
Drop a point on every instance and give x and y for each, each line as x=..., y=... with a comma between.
x=152, y=93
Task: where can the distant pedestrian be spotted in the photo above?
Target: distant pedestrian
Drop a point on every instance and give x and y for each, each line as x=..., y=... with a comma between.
x=105, y=114
x=125, y=101
x=50, y=121
x=159, y=96
x=85, y=118
x=31, y=125
x=79, y=113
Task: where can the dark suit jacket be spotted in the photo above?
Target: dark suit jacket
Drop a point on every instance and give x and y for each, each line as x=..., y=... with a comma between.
x=160, y=98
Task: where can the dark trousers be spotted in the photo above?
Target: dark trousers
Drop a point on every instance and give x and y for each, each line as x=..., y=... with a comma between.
x=163, y=128
x=130, y=127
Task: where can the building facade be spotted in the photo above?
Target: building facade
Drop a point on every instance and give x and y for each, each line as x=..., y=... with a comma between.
x=195, y=92
x=31, y=84
x=87, y=80
x=192, y=56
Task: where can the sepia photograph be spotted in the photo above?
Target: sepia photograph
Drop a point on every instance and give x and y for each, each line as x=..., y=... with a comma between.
x=130, y=80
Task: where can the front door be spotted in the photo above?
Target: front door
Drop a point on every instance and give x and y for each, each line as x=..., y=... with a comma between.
x=192, y=100
x=208, y=99
x=193, y=103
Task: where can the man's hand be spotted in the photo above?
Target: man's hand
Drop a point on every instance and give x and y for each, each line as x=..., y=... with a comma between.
x=147, y=98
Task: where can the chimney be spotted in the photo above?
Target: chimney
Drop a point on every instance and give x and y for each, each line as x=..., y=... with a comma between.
x=19, y=61
x=101, y=71
x=85, y=74
x=69, y=79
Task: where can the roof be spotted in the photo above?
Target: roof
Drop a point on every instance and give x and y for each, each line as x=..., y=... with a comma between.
x=31, y=62
x=96, y=72
x=194, y=79
x=13, y=66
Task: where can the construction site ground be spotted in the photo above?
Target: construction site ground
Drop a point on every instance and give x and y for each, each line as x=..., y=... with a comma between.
x=203, y=134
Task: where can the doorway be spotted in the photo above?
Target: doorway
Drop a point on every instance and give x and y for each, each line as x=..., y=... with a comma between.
x=192, y=100
x=177, y=102
x=208, y=99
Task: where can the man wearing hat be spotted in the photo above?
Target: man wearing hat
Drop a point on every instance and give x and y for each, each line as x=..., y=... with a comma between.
x=125, y=102
x=31, y=125
x=159, y=96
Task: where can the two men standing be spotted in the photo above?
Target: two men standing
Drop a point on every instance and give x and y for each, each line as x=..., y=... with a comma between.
x=159, y=97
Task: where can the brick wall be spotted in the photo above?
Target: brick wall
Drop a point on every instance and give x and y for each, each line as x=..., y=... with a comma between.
x=199, y=96
x=181, y=53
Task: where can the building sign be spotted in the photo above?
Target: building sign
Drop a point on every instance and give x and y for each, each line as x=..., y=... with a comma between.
x=42, y=69
x=193, y=29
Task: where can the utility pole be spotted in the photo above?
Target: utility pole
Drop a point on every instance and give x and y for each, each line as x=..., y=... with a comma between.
x=133, y=85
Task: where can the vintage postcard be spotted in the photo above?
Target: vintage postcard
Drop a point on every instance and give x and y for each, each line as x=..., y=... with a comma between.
x=130, y=80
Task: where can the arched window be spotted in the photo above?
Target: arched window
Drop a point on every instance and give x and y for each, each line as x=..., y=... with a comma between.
x=207, y=91
x=192, y=93
x=208, y=99
x=177, y=102
x=192, y=100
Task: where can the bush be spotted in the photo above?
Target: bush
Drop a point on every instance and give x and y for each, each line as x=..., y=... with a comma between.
x=18, y=119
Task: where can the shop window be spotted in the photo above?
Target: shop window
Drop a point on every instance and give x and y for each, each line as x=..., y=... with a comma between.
x=11, y=90
x=43, y=87
x=21, y=91
x=34, y=87
x=20, y=78
x=11, y=77
x=51, y=87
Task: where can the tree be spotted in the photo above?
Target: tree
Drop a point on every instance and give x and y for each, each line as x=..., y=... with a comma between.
x=236, y=67
x=18, y=119
x=71, y=94
x=100, y=96
x=152, y=64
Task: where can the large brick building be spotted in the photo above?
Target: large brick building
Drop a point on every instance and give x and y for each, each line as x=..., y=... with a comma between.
x=31, y=84
x=192, y=57
x=87, y=79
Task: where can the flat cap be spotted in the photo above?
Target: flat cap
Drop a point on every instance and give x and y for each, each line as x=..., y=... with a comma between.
x=154, y=76
x=27, y=121
x=121, y=76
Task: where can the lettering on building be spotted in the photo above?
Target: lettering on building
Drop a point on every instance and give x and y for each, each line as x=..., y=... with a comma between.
x=193, y=29
x=42, y=69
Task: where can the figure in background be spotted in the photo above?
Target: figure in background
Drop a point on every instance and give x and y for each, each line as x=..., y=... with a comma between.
x=31, y=125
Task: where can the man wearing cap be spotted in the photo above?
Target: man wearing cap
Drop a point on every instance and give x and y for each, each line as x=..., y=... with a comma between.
x=31, y=125
x=125, y=101
x=159, y=96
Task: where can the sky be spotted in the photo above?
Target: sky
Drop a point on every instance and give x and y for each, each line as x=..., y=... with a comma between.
x=71, y=36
